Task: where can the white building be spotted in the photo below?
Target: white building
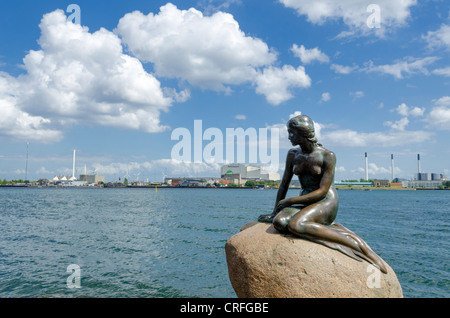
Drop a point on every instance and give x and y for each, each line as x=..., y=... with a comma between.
x=92, y=178
x=67, y=181
x=247, y=171
x=430, y=184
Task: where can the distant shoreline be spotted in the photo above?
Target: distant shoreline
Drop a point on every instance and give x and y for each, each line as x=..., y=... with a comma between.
x=380, y=188
x=384, y=188
x=240, y=188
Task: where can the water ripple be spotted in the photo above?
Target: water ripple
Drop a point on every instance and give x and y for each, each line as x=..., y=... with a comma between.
x=139, y=243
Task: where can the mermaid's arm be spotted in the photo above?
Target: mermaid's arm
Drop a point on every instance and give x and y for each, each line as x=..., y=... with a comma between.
x=286, y=180
x=284, y=186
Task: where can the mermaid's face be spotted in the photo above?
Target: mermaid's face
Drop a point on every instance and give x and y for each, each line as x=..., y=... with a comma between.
x=294, y=136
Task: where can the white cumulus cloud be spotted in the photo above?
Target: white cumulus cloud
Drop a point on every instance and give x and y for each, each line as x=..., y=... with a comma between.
x=405, y=110
x=343, y=69
x=374, y=169
x=18, y=124
x=445, y=71
x=352, y=138
x=400, y=69
x=209, y=52
x=275, y=83
x=398, y=124
x=331, y=137
x=79, y=77
x=439, y=38
x=355, y=14
x=309, y=55
x=170, y=167
x=439, y=116
x=325, y=97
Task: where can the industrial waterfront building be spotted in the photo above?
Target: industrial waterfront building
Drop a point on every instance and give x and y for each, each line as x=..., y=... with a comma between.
x=82, y=181
x=425, y=180
x=240, y=173
x=92, y=178
x=230, y=175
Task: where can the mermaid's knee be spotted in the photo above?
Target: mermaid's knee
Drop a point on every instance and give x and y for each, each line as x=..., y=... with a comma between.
x=297, y=227
x=280, y=223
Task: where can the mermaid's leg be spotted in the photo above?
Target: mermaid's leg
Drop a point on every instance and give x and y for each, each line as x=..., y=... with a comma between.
x=281, y=220
x=309, y=223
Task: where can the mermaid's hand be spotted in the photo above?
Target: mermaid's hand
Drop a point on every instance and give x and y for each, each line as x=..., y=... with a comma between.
x=283, y=204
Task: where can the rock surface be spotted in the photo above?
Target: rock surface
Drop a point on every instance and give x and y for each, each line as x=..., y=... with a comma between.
x=262, y=263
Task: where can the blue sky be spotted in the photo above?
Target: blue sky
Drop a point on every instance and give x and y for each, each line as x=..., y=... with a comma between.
x=373, y=75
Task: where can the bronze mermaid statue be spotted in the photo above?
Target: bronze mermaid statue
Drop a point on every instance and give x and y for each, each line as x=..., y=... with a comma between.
x=311, y=215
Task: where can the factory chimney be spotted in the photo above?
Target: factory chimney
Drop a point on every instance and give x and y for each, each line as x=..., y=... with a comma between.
x=367, y=168
x=392, y=167
x=418, y=163
x=73, y=167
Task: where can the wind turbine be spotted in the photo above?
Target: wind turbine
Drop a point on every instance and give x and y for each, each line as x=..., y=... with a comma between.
x=127, y=176
x=164, y=173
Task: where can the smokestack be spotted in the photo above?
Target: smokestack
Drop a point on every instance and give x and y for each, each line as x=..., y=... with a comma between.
x=392, y=167
x=418, y=163
x=73, y=167
x=367, y=168
x=26, y=164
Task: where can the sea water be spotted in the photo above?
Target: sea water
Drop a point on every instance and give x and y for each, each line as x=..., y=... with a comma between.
x=170, y=242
